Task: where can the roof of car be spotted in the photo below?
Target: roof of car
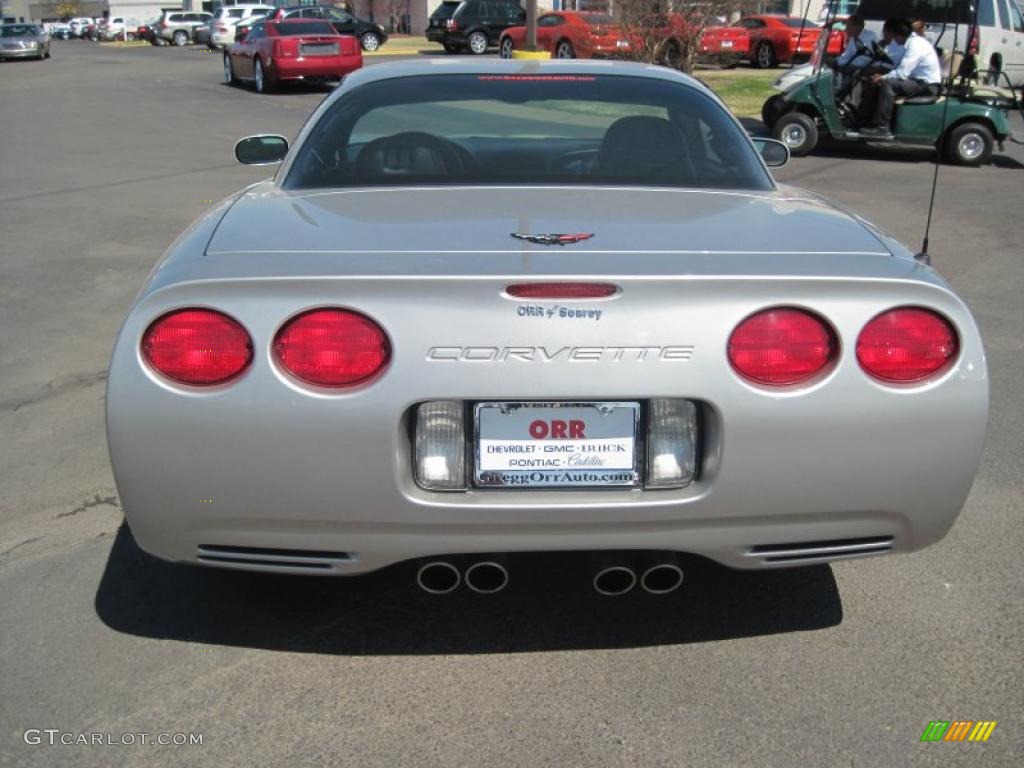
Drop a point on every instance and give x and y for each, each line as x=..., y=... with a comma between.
x=467, y=66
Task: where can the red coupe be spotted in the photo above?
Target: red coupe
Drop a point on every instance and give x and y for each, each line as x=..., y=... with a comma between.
x=778, y=39
x=724, y=45
x=569, y=35
x=291, y=49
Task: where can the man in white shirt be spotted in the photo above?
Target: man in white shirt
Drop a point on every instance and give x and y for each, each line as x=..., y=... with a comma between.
x=918, y=72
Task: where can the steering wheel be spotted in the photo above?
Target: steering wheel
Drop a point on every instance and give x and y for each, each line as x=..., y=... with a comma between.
x=880, y=53
x=412, y=153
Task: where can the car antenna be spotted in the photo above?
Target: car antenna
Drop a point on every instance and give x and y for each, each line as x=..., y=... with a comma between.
x=923, y=256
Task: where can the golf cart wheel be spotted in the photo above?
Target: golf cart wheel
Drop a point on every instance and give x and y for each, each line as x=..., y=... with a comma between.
x=506, y=48
x=969, y=144
x=765, y=56
x=797, y=131
x=477, y=43
x=773, y=108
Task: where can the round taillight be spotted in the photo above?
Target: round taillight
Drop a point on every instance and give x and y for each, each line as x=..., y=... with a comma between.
x=906, y=344
x=332, y=347
x=781, y=346
x=195, y=346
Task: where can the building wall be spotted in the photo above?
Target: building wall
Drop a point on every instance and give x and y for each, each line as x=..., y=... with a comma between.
x=15, y=9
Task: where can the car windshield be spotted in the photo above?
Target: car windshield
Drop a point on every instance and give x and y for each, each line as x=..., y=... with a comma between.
x=17, y=30
x=305, y=28
x=527, y=129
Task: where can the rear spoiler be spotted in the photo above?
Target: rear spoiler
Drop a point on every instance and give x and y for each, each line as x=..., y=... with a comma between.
x=929, y=11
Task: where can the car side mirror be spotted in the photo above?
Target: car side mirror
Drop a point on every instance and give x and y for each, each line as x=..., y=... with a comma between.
x=774, y=153
x=265, y=149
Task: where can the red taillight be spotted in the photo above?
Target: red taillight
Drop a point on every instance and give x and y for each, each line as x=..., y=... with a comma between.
x=197, y=346
x=906, y=344
x=781, y=346
x=332, y=347
x=452, y=25
x=560, y=290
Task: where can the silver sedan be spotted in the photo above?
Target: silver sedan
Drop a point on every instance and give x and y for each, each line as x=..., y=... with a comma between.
x=24, y=41
x=497, y=307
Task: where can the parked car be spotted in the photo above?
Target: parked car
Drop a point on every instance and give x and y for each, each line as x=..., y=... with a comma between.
x=371, y=35
x=716, y=43
x=474, y=25
x=119, y=28
x=79, y=25
x=291, y=49
x=178, y=27
x=24, y=41
x=569, y=35
x=60, y=30
x=780, y=39
x=146, y=31
x=201, y=34
x=724, y=45
x=222, y=28
x=713, y=364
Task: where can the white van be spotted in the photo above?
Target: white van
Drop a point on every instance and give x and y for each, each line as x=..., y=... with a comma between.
x=998, y=43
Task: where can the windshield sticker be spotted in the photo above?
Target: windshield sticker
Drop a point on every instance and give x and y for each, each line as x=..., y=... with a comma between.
x=541, y=78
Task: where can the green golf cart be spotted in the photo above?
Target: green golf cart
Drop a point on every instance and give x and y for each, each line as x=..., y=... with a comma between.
x=960, y=119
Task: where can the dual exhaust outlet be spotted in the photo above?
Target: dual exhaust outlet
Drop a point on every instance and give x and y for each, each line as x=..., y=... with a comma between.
x=658, y=576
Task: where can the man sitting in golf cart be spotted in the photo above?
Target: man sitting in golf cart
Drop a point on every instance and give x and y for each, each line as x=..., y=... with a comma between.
x=918, y=73
x=859, y=42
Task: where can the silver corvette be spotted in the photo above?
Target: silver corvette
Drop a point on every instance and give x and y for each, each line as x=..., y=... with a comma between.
x=501, y=307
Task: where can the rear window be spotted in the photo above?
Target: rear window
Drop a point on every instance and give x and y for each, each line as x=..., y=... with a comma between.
x=527, y=129
x=305, y=28
x=445, y=10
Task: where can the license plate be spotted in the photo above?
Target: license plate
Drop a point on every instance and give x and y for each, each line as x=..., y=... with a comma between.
x=556, y=445
x=727, y=43
x=318, y=49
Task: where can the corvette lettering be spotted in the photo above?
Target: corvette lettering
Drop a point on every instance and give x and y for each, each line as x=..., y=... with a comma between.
x=677, y=353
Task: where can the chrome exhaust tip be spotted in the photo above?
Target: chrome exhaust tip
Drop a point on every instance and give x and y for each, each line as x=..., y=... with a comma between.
x=614, y=580
x=662, y=578
x=438, y=577
x=486, y=577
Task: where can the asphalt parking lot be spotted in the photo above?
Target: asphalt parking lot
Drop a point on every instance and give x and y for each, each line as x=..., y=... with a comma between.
x=106, y=155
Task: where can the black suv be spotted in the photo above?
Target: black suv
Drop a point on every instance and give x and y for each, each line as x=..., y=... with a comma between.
x=473, y=24
x=371, y=36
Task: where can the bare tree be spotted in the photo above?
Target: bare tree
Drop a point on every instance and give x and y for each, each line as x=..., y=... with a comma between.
x=66, y=10
x=669, y=33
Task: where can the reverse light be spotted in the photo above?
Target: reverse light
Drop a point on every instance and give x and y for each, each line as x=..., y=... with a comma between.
x=332, y=347
x=906, y=344
x=561, y=290
x=671, y=443
x=195, y=346
x=781, y=346
x=440, y=445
